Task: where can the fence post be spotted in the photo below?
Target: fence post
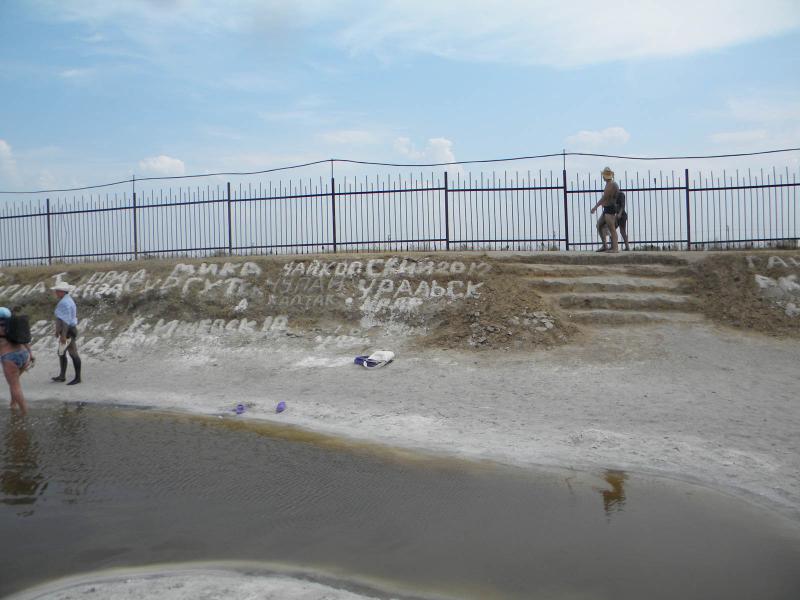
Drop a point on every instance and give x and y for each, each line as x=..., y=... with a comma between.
x=135, y=231
x=688, y=214
x=49, y=239
x=230, y=227
x=446, y=216
x=333, y=210
x=566, y=214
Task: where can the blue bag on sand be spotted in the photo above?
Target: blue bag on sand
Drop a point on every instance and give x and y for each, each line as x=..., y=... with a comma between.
x=281, y=407
x=377, y=359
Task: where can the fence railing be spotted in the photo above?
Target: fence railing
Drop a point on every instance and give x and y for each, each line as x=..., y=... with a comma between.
x=444, y=211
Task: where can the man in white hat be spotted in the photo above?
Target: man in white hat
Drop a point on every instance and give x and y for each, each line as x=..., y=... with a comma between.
x=66, y=331
x=609, y=218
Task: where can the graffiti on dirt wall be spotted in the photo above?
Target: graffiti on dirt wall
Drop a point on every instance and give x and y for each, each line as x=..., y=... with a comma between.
x=378, y=291
x=783, y=289
x=317, y=283
x=232, y=279
x=144, y=332
x=393, y=283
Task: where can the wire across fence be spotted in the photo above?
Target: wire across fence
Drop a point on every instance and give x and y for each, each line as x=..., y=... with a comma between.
x=434, y=211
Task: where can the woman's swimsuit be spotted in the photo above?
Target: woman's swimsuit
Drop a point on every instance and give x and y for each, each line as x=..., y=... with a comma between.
x=18, y=357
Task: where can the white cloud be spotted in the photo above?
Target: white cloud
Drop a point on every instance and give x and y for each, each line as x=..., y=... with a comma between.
x=767, y=121
x=76, y=74
x=286, y=115
x=564, y=34
x=157, y=25
x=95, y=38
x=259, y=160
x=216, y=14
x=437, y=150
x=161, y=165
x=404, y=146
x=533, y=32
x=594, y=140
x=251, y=82
x=763, y=108
x=740, y=137
x=350, y=137
x=46, y=180
x=440, y=150
x=8, y=164
x=308, y=109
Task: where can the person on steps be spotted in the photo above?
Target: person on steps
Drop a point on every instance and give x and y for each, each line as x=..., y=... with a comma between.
x=66, y=331
x=622, y=221
x=608, y=220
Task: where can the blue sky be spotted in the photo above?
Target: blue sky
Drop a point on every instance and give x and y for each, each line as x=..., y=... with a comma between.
x=97, y=90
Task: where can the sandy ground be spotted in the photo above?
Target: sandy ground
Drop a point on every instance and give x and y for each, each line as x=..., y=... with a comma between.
x=698, y=403
x=191, y=581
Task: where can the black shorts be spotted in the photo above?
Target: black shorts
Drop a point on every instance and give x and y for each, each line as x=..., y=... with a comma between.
x=70, y=332
x=622, y=219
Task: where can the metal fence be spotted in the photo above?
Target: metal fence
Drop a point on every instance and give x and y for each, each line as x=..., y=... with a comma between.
x=449, y=210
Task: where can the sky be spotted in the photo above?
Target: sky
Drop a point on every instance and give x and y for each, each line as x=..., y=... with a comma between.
x=95, y=91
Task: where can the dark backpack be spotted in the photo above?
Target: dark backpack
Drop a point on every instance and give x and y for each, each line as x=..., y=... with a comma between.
x=18, y=330
x=619, y=202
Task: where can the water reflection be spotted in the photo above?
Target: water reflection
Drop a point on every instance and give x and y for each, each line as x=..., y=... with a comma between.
x=71, y=431
x=614, y=499
x=21, y=480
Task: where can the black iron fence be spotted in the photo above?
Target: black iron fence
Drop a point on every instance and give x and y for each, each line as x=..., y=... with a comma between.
x=449, y=210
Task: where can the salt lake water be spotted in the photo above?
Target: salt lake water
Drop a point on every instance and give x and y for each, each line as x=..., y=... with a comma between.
x=86, y=488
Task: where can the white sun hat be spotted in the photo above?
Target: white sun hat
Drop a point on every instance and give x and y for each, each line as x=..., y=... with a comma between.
x=62, y=286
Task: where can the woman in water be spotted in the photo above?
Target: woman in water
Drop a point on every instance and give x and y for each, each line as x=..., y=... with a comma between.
x=15, y=358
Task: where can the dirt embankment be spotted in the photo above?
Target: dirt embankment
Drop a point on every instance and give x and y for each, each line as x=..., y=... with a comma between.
x=457, y=301
x=758, y=291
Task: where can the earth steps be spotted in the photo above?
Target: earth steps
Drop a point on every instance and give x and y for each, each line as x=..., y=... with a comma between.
x=626, y=288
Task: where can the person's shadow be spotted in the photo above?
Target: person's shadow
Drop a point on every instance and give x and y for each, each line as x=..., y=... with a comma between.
x=21, y=479
x=614, y=499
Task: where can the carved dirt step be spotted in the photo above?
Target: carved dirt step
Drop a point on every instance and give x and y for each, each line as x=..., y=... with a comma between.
x=612, y=283
x=626, y=301
x=562, y=270
x=592, y=258
x=601, y=317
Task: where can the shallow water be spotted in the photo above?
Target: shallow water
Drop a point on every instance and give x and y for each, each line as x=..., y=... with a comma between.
x=84, y=488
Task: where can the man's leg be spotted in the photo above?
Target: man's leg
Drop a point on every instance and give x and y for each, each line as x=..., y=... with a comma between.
x=602, y=231
x=62, y=364
x=611, y=223
x=623, y=229
x=72, y=349
x=62, y=358
x=622, y=223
